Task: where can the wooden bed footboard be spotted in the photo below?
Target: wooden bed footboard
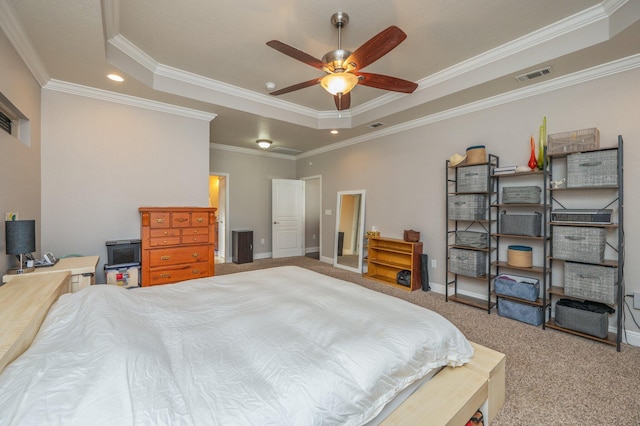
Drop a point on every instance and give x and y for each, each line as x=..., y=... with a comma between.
x=24, y=302
x=454, y=394
x=449, y=398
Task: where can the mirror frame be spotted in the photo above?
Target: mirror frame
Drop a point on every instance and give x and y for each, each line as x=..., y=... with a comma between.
x=360, y=230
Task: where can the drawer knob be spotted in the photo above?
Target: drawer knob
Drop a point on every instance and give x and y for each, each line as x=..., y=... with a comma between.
x=160, y=220
x=165, y=258
x=165, y=275
x=200, y=220
x=195, y=254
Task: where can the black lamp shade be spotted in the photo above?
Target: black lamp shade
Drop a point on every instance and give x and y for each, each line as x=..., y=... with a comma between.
x=20, y=236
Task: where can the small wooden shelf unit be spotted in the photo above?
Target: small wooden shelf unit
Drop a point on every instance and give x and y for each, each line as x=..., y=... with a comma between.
x=388, y=256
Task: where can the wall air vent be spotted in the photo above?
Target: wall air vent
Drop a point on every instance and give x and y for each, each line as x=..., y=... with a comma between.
x=533, y=74
x=283, y=150
x=375, y=125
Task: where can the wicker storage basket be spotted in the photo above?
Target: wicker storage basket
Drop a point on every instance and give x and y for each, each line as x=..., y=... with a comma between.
x=574, y=141
x=476, y=155
x=472, y=239
x=520, y=256
x=521, y=194
x=592, y=169
x=581, y=316
x=523, y=312
x=472, y=178
x=580, y=244
x=515, y=286
x=521, y=224
x=593, y=282
x=467, y=207
x=468, y=262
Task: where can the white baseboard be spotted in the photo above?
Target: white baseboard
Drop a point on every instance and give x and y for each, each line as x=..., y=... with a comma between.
x=311, y=249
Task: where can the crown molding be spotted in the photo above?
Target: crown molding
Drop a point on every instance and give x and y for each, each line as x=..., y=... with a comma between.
x=250, y=151
x=12, y=27
x=594, y=73
x=104, y=95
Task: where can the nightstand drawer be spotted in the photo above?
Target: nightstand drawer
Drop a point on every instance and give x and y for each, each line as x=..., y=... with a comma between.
x=164, y=241
x=168, y=232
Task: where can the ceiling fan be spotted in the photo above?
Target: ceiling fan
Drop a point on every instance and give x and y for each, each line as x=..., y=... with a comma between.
x=343, y=67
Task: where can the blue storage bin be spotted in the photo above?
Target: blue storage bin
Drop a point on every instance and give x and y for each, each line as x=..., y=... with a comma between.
x=515, y=286
x=529, y=314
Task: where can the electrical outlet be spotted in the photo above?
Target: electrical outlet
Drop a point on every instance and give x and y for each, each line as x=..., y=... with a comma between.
x=313, y=237
x=262, y=241
x=434, y=264
x=636, y=300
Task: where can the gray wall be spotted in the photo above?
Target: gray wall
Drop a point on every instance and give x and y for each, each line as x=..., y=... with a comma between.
x=249, y=194
x=102, y=160
x=19, y=163
x=404, y=173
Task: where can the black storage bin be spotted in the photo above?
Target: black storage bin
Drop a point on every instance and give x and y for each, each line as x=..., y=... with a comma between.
x=523, y=312
x=586, y=317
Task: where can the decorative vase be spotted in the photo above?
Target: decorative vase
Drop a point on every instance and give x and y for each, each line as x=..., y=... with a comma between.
x=542, y=142
x=533, y=164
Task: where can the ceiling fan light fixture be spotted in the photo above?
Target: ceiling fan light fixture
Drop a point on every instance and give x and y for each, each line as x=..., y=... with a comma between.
x=263, y=143
x=339, y=82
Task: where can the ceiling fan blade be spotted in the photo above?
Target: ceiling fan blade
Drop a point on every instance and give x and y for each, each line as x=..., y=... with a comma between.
x=378, y=46
x=342, y=101
x=296, y=87
x=296, y=54
x=386, y=82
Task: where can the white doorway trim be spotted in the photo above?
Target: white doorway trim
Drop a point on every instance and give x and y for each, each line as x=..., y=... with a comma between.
x=226, y=235
x=319, y=178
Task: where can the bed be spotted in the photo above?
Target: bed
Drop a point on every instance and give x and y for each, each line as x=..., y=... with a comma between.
x=279, y=346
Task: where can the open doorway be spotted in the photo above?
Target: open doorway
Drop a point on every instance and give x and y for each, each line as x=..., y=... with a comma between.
x=218, y=198
x=312, y=222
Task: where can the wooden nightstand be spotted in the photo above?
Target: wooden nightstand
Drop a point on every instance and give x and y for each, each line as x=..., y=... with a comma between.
x=83, y=271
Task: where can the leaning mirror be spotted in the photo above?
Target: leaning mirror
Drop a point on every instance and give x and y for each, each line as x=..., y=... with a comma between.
x=349, y=230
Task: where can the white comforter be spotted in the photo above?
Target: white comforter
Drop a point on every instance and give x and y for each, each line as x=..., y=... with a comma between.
x=269, y=347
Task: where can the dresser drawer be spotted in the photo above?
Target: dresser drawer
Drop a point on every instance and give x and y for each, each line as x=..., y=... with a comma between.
x=180, y=220
x=179, y=273
x=199, y=219
x=179, y=255
x=159, y=220
x=194, y=239
x=164, y=241
x=167, y=232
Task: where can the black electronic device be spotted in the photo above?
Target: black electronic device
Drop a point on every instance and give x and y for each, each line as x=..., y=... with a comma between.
x=602, y=216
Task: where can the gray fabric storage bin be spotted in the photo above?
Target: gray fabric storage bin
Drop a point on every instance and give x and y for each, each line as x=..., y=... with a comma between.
x=516, y=286
x=472, y=239
x=521, y=224
x=529, y=314
x=521, y=194
x=467, y=207
x=472, y=178
x=580, y=244
x=583, y=321
x=592, y=169
x=591, y=282
x=467, y=262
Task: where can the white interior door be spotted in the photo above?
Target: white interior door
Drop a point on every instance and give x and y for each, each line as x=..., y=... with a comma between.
x=287, y=214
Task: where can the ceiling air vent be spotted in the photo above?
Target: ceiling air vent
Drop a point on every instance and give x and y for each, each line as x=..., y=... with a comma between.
x=376, y=125
x=283, y=150
x=534, y=74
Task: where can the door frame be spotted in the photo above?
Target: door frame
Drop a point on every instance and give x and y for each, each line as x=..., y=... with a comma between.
x=319, y=178
x=227, y=253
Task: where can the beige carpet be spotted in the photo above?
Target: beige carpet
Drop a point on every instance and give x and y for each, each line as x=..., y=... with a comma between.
x=553, y=378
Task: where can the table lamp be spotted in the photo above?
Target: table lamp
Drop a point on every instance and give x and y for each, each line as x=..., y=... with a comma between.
x=20, y=238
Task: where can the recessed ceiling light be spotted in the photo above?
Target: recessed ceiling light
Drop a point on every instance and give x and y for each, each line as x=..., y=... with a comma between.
x=263, y=143
x=334, y=132
x=115, y=77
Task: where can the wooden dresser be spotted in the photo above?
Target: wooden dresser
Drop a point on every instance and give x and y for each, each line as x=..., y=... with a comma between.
x=177, y=243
